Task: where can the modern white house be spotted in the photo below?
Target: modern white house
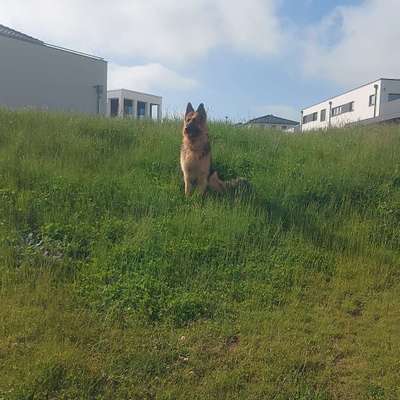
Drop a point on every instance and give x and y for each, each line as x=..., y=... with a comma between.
x=374, y=102
x=130, y=104
x=273, y=122
x=38, y=75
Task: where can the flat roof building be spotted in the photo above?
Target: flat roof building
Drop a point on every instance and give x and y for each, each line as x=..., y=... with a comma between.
x=42, y=76
x=131, y=104
x=374, y=102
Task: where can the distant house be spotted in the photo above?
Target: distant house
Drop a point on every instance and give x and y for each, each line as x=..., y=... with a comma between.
x=130, y=104
x=374, y=102
x=39, y=75
x=272, y=122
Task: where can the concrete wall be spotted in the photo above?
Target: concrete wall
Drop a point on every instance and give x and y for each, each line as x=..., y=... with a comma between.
x=33, y=75
x=136, y=97
x=389, y=109
x=362, y=109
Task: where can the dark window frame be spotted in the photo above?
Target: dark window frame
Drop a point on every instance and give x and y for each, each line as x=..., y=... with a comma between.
x=310, y=118
x=395, y=95
x=114, y=107
x=128, y=107
x=141, y=109
x=372, y=100
x=342, y=109
x=336, y=111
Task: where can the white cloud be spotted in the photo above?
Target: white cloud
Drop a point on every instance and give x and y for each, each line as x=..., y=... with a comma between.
x=158, y=30
x=365, y=43
x=147, y=78
x=283, y=111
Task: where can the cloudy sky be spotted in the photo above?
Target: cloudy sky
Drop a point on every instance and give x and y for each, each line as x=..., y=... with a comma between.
x=242, y=58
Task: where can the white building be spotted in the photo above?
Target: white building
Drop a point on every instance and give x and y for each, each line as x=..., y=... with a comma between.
x=39, y=75
x=131, y=104
x=378, y=101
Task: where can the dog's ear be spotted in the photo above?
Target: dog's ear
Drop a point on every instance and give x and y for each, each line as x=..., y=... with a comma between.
x=189, y=109
x=202, y=111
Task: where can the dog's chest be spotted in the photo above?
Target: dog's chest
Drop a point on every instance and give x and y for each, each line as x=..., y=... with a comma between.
x=193, y=158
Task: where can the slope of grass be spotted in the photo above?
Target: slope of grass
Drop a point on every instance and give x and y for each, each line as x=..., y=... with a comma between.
x=114, y=286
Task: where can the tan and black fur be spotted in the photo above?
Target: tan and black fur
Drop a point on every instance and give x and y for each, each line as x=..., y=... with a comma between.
x=196, y=155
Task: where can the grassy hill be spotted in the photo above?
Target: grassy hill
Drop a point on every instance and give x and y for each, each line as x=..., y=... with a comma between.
x=115, y=286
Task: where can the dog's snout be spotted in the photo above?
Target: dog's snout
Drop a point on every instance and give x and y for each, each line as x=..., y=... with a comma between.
x=191, y=128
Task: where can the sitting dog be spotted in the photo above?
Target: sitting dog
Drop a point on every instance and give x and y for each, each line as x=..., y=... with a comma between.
x=196, y=156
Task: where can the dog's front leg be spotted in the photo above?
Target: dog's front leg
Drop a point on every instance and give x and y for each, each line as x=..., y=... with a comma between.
x=188, y=185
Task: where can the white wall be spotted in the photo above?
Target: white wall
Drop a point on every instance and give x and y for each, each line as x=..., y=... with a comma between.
x=33, y=75
x=362, y=109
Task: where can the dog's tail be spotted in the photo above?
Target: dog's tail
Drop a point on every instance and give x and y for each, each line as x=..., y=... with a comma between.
x=233, y=185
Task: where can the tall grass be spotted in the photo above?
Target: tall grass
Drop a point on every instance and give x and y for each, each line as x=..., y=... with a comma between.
x=115, y=286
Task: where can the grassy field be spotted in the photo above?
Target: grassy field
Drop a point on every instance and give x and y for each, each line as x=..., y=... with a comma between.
x=114, y=286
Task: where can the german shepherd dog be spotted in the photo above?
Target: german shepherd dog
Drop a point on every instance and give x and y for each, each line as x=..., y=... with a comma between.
x=196, y=155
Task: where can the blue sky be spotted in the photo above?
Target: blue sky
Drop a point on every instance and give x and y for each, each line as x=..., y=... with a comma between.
x=242, y=87
x=242, y=59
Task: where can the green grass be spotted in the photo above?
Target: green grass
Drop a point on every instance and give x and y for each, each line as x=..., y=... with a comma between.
x=115, y=286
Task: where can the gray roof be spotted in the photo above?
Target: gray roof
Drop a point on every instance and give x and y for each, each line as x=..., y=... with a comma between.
x=273, y=120
x=13, y=34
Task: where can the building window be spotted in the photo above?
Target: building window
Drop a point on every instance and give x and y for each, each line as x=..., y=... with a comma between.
x=310, y=118
x=154, y=111
x=323, y=115
x=141, y=109
x=372, y=100
x=114, y=107
x=128, y=107
x=336, y=111
x=345, y=108
x=393, y=96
